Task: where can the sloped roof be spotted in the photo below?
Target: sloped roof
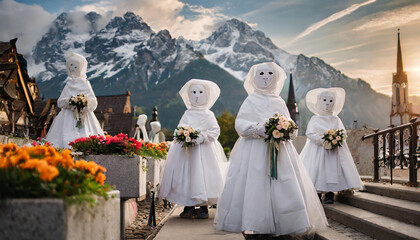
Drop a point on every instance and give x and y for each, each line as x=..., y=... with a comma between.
x=116, y=103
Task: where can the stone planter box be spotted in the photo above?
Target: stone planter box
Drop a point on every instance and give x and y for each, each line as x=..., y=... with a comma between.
x=51, y=218
x=154, y=170
x=124, y=172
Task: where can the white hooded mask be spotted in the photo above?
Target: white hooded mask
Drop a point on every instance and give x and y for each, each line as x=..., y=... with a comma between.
x=199, y=94
x=141, y=122
x=265, y=78
x=326, y=101
x=156, y=127
x=76, y=66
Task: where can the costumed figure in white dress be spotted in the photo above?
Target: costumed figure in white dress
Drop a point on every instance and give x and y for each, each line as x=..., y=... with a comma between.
x=193, y=175
x=331, y=170
x=72, y=123
x=252, y=201
x=156, y=134
x=140, y=132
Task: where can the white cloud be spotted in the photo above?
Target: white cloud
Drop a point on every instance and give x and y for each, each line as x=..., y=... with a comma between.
x=337, y=50
x=27, y=22
x=353, y=60
x=164, y=14
x=275, y=5
x=391, y=19
x=329, y=19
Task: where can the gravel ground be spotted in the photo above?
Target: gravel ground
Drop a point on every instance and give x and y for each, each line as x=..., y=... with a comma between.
x=139, y=229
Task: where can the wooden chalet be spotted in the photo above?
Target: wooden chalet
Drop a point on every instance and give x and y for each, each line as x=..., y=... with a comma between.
x=17, y=92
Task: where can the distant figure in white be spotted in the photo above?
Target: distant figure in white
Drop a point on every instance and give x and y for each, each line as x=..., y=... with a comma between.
x=156, y=134
x=141, y=132
x=64, y=130
x=252, y=201
x=193, y=175
x=331, y=170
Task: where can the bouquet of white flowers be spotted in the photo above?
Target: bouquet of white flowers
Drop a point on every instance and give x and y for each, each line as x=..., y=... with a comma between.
x=334, y=138
x=79, y=102
x=278, y=128
x=186, y=135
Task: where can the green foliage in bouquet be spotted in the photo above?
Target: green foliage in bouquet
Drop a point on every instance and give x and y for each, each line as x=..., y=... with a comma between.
x=334, y=138
x=279, y=128
x=186, y=135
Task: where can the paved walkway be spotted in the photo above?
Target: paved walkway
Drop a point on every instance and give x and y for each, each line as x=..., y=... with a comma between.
x=193, y=229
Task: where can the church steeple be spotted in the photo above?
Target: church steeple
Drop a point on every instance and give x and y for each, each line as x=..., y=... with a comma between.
x=400, y=68
x=400, y=104
x=291, y=101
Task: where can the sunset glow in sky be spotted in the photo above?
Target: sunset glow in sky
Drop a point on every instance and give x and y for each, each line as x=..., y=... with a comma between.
x=357, y=37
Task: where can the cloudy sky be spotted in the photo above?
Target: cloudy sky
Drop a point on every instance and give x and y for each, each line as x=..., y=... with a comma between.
x=357, y=37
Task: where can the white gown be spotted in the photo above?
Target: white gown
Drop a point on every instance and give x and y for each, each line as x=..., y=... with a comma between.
x=329, y=170
x=251, y=200
x=193, y=175
x=63, y=129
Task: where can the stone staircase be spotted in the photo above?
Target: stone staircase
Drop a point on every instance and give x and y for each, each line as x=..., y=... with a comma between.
x=382, y=211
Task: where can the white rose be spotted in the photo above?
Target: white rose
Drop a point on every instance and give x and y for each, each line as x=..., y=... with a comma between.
x=283, y=119
x=186, y=133
x=338, y=138
x=327, y=145
x=334, y=142
x=285, y=125
x=188, y=139
x=330, y=137
x=278, y=126
x=180, y=131
x=281, y=134
x=276, y=134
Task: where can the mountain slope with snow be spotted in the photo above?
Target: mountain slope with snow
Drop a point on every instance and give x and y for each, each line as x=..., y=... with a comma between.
x=124, y=53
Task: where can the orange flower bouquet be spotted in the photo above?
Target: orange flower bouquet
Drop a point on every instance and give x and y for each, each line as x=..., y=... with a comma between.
x=42, y=171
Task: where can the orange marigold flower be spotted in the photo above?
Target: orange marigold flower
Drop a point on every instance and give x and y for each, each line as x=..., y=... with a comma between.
x=38, y=151
x=47, y=172
x=4, y=163
x=10, y=147
x=31, y=164
x=100, y=178
x=20, y=156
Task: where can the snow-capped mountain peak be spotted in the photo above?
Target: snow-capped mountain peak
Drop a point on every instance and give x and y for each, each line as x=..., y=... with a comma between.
x=235, y=47
x=122, y=48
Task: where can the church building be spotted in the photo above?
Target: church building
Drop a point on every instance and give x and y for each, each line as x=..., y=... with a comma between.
x=401, y=110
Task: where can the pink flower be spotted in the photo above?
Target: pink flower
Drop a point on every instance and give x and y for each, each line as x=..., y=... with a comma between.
x=276, y=133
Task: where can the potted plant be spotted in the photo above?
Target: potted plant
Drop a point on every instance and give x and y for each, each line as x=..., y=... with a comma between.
x=45, y=194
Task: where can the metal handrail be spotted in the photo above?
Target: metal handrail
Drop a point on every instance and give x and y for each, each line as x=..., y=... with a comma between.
x=412, y=146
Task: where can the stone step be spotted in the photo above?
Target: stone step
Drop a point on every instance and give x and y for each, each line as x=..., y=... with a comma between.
x=394, y=191
x=337, y=230
x=371, y=224
x=330, y=234
x=403, y=210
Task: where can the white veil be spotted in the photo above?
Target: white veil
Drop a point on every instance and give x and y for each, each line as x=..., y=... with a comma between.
x=312, y=98
x=213, y=92
x=83, y=62
x=271, y=90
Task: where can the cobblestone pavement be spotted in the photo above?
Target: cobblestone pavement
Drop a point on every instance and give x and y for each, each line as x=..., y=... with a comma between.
x=349, y=232
x=139, y=229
